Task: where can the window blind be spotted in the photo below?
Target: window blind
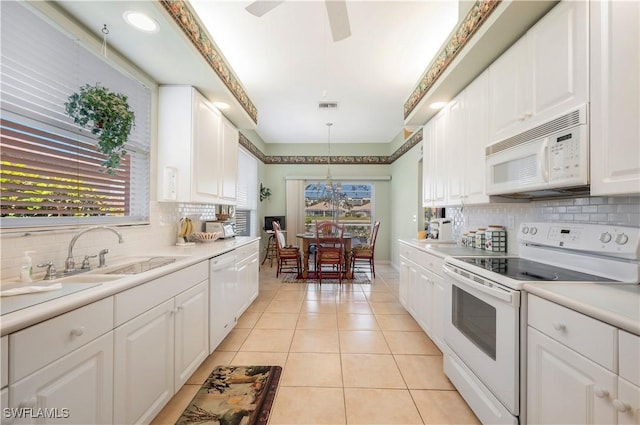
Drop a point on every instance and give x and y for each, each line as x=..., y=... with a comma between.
x=51, y=171
x=247, y=194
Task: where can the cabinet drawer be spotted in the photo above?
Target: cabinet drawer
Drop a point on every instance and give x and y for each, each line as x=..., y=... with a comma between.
x=590, y=337
x=36, y=346
x=629, y=353
x=137, y=300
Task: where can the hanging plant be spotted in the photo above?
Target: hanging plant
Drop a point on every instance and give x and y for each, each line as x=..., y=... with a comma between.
x=107, y=115
x=265, y=192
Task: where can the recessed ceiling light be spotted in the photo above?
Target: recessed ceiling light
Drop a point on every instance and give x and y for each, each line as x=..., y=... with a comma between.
x=437, y=105
x=221, y=105
x=140, y=21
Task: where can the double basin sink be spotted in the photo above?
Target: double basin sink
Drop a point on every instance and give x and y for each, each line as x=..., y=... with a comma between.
x=110, y=273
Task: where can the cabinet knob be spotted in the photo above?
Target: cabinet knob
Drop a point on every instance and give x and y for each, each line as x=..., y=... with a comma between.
x=621, y=406
x=77, y=331
x=601, y=392
x=559, y=327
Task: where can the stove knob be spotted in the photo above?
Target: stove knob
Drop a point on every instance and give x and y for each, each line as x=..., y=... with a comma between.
x=622, y=239
x=605, y=237
x=534, y=230
x=525, y=229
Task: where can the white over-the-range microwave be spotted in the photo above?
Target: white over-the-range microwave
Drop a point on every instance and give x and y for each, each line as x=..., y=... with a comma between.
x=551, y=159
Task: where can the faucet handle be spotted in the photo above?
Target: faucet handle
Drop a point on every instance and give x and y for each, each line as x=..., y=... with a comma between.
x=86, y=265
x=51, y=270
x=102, y=261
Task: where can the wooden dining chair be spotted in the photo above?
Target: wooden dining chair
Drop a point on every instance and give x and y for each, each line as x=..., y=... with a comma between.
x=330, y=250
x=363, y=255
x=288, y=256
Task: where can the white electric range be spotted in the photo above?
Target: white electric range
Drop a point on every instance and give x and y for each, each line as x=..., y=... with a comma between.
x=484, y=319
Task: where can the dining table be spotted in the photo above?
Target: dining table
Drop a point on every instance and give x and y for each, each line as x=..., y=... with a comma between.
x=309, y=239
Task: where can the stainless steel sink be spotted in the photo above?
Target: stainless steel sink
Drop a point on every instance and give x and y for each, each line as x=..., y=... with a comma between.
x=140, y=266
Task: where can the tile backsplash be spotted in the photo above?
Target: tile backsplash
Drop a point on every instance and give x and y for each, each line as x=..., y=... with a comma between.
x=623, y=211
x=52, y=245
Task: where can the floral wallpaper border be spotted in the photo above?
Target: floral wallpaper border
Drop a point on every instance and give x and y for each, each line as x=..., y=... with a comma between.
x=188, y=22
x=478, y=14
x=345, y=160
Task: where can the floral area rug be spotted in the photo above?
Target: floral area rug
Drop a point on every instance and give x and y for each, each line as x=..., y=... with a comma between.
x=234, y=395
x=313, y=278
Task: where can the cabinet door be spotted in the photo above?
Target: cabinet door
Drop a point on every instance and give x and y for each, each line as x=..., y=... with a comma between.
x=425, y=296
x=403, y=284
x=77, y=388
x=191, y=332
x=476, y=101
x=439, y=165
x=615, y=90
x=206, y=160
x=428, y=164
x=229, y=162
x=559, y=54
x=509, y=91
x=413, y=290
x=437, y=310
x=143, y=378
x=454, y=145
x=627, y=403
x=563, y=387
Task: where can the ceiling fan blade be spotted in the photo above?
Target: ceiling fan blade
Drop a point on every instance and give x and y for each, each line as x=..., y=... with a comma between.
x=260, y=7
x=338, y=19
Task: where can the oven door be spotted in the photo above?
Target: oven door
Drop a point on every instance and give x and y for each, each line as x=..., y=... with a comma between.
x=482, y=324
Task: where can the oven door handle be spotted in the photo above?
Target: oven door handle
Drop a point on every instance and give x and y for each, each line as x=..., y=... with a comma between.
x=503, y=295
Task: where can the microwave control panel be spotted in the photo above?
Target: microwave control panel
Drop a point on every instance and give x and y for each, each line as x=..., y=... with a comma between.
x=567, y=155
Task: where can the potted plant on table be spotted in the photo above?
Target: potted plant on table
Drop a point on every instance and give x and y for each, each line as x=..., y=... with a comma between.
x=107, y=115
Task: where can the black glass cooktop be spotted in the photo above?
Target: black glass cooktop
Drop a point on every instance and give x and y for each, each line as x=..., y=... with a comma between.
x=527, y=270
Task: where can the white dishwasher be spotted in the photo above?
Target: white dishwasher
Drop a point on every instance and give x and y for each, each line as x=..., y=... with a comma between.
x=223, y=301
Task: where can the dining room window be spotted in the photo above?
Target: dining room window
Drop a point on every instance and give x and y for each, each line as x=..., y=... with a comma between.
x=349, y=203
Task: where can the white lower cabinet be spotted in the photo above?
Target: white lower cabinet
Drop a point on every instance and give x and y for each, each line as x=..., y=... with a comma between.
x=144, y=358
x=563, y=387
x=191, y=332
x=75, y=389
x=579, y=370
x=223, y=287
x=248, y=269
x=421, y=290
x=158, y=349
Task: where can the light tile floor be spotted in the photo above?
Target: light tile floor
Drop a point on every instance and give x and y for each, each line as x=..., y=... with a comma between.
x=350, y=354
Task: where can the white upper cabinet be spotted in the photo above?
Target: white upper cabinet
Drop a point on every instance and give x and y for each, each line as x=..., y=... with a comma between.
x=543, y=75
x=615, y=97
x=476, y=99
x=197, y=149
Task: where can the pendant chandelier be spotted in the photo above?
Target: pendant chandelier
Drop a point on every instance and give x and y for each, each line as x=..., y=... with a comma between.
x=332, y=192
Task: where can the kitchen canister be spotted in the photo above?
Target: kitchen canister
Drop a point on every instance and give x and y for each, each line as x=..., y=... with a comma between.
x=463, y=239
x=480, y=237
x=471, y=239
x=495, y=239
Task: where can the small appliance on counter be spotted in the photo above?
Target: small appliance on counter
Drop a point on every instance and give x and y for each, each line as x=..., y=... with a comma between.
x=225, y=230
x=440, y=229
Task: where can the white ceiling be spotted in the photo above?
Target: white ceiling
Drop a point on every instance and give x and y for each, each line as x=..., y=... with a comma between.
x=287, y=61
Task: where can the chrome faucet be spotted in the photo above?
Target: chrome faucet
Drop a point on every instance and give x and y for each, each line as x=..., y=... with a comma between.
x=69, y=263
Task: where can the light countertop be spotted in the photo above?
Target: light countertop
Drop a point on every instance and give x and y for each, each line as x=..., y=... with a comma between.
x=449, y=249
x=34, y=308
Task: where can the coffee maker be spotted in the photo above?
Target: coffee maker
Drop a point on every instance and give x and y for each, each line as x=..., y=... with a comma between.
x=440, y=229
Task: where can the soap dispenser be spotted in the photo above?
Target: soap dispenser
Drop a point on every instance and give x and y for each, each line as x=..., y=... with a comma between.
x=26, y=267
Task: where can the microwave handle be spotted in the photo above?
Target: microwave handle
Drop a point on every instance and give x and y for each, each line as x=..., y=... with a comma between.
x=544, y=159
x=496, y=293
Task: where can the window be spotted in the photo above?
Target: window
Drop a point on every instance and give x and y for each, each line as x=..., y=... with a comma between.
x=246, y=206
x=51, y=173
x=349, y=203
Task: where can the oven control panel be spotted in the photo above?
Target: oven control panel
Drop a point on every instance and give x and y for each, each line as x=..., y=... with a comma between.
x=600, y=238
